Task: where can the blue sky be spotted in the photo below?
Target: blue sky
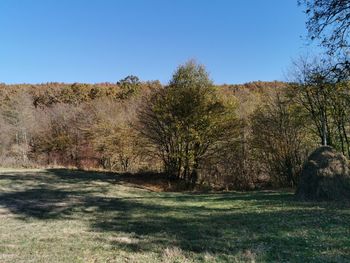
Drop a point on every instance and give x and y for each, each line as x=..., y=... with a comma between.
x=100, y=40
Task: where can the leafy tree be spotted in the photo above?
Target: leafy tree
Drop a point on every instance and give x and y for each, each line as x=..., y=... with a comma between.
x=325, y=99
x=59, y=134
x=129, y=86
x=17, y=113
x=232, y=165
x=312, y=90
x=281, y=139
x=113, y=136
x=186, y=120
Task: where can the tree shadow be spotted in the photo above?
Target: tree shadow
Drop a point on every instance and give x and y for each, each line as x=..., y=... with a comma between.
x=230, y=231
x=39, y=203
x=270, y=224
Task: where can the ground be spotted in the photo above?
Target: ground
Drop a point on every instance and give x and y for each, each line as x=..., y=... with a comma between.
x=74, y=216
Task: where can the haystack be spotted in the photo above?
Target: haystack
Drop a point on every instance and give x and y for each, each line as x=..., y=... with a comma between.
x=325, y=176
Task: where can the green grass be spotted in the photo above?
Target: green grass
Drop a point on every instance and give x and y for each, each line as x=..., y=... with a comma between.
x=72, y=216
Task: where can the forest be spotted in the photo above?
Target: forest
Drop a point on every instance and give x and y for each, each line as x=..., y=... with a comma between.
x=251, y=136
x=108, y=126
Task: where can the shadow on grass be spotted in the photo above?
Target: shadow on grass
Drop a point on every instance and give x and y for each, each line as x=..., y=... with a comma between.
x=276, y=234
x=269, y=224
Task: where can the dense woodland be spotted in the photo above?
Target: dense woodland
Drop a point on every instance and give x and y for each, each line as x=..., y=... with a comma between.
x=98, y=126
x=230, y=136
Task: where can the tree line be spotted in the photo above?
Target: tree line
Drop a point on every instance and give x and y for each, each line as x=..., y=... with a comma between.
x=230, y=136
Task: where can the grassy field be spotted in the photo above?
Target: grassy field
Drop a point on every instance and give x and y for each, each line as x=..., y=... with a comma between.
x=72, y=216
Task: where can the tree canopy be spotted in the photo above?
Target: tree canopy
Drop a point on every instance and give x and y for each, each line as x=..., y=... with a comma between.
x=185, y=120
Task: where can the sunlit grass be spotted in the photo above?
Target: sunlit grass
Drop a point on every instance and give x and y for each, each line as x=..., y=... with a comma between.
x=72, y=216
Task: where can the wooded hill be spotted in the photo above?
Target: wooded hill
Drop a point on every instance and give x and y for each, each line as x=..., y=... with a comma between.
x=99, y=126
x=92, y=125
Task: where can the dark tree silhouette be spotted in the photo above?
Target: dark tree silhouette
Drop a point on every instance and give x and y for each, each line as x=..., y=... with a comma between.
x=329, y=21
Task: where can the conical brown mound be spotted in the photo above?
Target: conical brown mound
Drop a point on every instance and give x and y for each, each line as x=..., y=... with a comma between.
x=325, y=176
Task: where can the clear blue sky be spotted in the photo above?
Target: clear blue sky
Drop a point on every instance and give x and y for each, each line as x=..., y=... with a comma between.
x=101, y=40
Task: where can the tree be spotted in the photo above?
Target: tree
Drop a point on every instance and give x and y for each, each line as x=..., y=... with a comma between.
x=186, y=120
x=113, y=136
x=128, y=87
x=233, y=165
x=59, y=134
x=17, y=113
x=325, y=99
x=312, y=90
x=281, y=140
x=329, y=21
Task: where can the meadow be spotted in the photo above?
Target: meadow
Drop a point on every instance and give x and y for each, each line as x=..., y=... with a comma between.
x=62, y=215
